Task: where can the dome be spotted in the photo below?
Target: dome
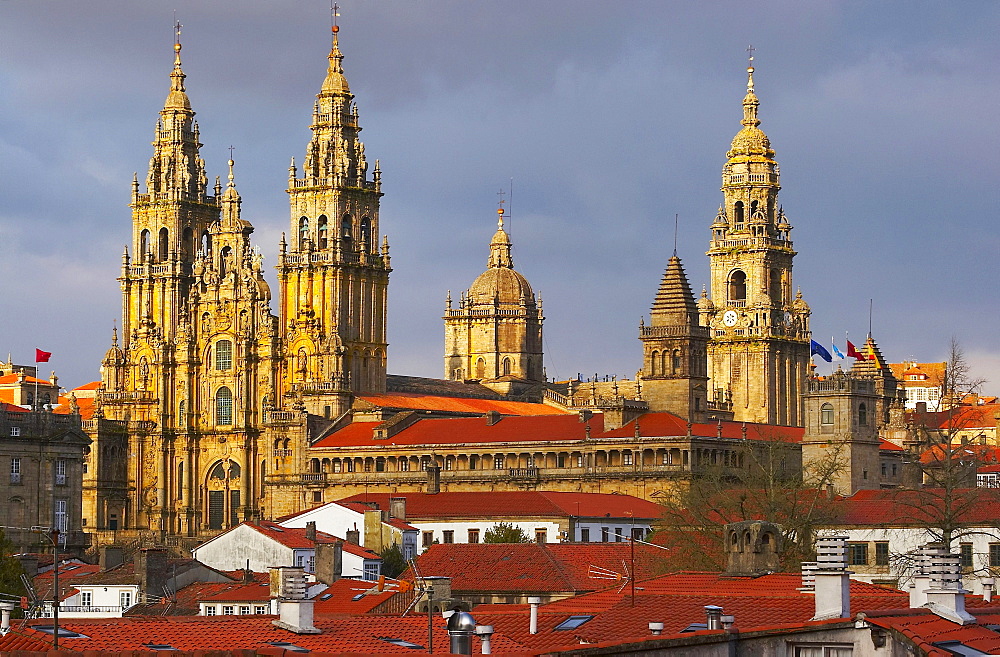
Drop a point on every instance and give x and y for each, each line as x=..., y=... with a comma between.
x=502, y=284
x=750, y=141
x=705, y=304
x=335, y=82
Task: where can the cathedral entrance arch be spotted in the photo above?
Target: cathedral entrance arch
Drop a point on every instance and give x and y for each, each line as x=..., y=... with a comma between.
x=223, y=501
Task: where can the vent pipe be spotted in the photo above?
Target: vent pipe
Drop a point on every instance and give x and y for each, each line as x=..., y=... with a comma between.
x=713, y=616
x=461, y=626
x=656, y=629
x=533, y=623
x=5, y=609
x=485, y=633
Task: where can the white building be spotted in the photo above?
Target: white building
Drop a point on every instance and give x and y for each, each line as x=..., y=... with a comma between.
x=373, y=529
x=264, y=545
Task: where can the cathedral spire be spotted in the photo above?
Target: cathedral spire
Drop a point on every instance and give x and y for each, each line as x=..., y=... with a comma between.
x=674, y=303
x=177, y=97
x=500, y=245
x=335, y=82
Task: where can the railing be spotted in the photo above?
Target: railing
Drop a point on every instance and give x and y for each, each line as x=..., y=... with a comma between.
x=313, y=477
x=281, y=416
x=90, y=609
x=108, y=397
x=672, y=331
x=553, y=396
x=738, y=178
x=281, y=453
x=522, y=473
x=750, y=242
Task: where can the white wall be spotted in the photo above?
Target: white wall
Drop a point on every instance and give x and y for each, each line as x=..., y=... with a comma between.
x=105, y=602
x=461, y=529
x=331, y=518
x=230, y=551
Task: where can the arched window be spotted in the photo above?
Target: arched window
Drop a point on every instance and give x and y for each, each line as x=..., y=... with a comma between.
x=223, y=355
x=364, y=239
x=480, y=369
x=31, y=399
x=675, y=362
x=224, y=406
x=775, y=286
x=347, y=232
x=826, y=414
x=303, y=231
x=180, y=480
x=862, y=414
x=206, y=245
x=737, y=286
x=506, y=367
x=143, y=244
x=182, y=413
x=187, y=242
x=321, y=229
x=654, y=364
x=164, y=244
x=738, y=212
x=46, y=399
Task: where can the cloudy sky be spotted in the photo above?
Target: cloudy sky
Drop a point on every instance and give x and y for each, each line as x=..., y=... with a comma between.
x=610, y=117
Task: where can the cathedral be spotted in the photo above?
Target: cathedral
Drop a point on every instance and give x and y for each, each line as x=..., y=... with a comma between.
x=215, y=408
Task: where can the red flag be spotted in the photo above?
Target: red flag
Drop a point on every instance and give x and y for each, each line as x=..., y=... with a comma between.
x=42, y=356
x=852, y=352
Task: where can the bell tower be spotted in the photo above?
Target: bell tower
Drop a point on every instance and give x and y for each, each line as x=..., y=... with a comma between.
x=758, y=352
x=332, y=272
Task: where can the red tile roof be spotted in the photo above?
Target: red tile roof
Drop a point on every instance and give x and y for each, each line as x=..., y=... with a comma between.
x=339, y=635
x=925, y=629
x=358, y=507
x=339, y=597
x=513, y=504
x=668, y=424
x=416, y=401
x=887, y=446
x=295, y=538
x=526, y=568
x=960, y=418
x=908, y=508
x=438, y=431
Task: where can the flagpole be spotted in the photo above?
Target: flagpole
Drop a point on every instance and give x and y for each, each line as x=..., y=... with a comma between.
x=870, y=302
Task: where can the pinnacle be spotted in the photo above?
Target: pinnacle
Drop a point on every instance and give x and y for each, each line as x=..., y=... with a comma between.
x=674, y=302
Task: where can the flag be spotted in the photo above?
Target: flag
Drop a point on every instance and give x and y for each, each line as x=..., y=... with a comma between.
x=853, y=352
x=839, y=353
x=870, y=355
x=42, y=356
x=816, y=349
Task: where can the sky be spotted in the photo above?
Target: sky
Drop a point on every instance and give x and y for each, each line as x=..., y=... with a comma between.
x=605, y=119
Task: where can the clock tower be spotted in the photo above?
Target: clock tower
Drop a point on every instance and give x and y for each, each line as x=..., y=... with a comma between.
x=758, y=350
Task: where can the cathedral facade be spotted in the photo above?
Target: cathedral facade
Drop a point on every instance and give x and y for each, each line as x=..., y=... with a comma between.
x=213, y=409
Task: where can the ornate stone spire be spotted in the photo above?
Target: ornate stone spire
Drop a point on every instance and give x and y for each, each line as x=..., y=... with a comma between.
x=335, y=82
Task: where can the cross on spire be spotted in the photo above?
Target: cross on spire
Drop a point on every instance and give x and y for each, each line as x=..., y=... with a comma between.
x=334, y=13
x=750, y=50
x=501, y=194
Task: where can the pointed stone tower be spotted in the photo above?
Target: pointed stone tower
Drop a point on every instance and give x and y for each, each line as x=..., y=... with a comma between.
x=674, y=345
x=758, y=354
x=496, y=331
x=198, y=354
x=332, y=273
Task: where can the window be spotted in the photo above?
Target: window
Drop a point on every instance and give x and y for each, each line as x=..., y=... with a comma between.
x=223, y=355
x=638, y=533
x=322, y=227
x=862, y=415
x=473, y=536
x=372, y=570
x=965, y=554
x=541, y=536
x=857, y=554
x=244, y=610
x=826, y=414
x=448, y=536
x=86, y=598
x=15, y=470
x=125, y=599
x=604, y=534
x=404, y=464
x=627, y=458
x=228, y=610
x=885, y=469
x=572, y=622
x=995, y=555
x=15, y=431
x=60, y=472
x=585, y=534
x=823, y=651
x=738, y=286
x=224, y=406
x=303, y=231
x=60, y=516
x=498, y=462
x=210, y=610
x=317, y=496
x=882, y=553
x=618, y=535
x=428, y=539
x=260, y=609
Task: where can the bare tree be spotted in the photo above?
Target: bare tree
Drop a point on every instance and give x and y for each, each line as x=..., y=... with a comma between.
x=768, y=482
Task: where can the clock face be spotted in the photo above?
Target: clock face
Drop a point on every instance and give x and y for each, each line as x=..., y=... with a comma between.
x=730, y=318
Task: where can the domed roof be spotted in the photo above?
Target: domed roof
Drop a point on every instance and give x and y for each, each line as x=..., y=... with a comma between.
x=751, y=140
x=502, y=284
x=335, y=81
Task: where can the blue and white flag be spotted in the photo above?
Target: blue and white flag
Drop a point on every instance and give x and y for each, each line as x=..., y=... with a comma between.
x=838, y=352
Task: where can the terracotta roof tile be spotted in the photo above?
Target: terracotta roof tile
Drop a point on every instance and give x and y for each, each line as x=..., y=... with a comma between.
x=416, y=401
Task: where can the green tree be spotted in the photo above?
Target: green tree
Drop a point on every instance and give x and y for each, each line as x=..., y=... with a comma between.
x=503, y=532
x=10, y=569
x=393, y=561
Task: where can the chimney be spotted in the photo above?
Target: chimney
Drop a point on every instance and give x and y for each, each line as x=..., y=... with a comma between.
x=311, y=531
x=809, y=569
x=656, y=629
x=921, y=577
x=373, y=531
x=988, y=583
x=492, y=417
x=946, y=597
x=485, y=633
x=329, y=562
x=461, y=626
x=151, y=570
x=5, y=609
x=295, y=612
x=713, y=617
x=533, y=620
x=110, y=556
x=833, y=580
x=397, y=507
x=354, y=536
x=433, y=479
